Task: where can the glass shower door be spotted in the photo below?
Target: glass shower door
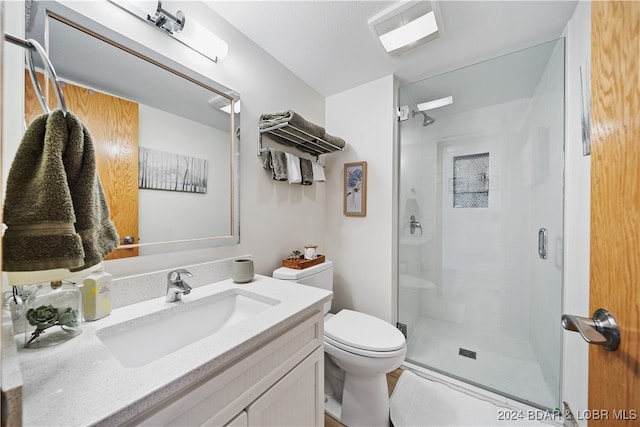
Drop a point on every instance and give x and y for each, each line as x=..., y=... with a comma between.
x=481, y=224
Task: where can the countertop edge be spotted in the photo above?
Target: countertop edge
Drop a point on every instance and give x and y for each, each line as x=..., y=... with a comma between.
x=11, y=374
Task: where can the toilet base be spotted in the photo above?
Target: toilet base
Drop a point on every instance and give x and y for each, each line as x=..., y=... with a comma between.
x=333, y=408
x=365, y=401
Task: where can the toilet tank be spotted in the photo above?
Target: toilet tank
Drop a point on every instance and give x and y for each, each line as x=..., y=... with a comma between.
x=318, y=276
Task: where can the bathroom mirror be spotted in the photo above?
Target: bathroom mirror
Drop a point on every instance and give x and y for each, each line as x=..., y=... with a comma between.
x=177, y=166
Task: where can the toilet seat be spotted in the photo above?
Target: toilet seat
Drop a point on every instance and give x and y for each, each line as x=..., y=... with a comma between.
x=362, y=334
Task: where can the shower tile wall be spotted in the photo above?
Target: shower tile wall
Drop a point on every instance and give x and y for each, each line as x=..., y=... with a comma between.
x=477, y=254
x=482, y=263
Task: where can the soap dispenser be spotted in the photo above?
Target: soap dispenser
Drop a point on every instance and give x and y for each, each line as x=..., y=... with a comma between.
x=96, y=295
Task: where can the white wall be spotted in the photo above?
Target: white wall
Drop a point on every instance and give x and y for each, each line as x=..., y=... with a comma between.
x=13, y=85
x=577, y=207
x=168, y=132
x=361, y=247
x=275, y=217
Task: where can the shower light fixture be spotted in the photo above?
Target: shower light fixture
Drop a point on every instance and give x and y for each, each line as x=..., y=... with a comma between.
x=436, y=103
x=188, y=32
x=406, y=25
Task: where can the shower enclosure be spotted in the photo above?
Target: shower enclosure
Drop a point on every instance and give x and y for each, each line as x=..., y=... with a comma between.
x=481, y=224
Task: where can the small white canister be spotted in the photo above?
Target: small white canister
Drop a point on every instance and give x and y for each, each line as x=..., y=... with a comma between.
x=310, y=251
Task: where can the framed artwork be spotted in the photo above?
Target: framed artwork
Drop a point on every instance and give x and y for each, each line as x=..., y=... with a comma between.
x=355, y=189
x=160, y=170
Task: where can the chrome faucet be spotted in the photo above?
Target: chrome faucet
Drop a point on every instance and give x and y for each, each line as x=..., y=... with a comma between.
x=413, y=224
x=176, y=287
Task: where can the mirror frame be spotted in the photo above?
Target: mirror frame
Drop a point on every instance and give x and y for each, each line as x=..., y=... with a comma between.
x=132, y=47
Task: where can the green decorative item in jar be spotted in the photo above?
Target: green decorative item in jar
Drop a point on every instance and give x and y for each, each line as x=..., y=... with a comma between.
x=47, y=316
x=53, y=314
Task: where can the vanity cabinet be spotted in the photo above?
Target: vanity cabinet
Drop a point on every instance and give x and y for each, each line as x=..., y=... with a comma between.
x=280, y=382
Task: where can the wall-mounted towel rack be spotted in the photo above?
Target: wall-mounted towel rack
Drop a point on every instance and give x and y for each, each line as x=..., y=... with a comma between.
x=292, y=135
x=31, y=45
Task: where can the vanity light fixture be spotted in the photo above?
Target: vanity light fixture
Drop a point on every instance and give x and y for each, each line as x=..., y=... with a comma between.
x=436, y=103
x=406, y=25
x=186, y=31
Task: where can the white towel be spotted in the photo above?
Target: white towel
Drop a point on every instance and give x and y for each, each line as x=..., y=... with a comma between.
x=293, y=169
x=318, y=172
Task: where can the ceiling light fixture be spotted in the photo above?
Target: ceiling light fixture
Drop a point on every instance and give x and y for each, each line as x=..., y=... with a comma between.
x=190, y=33
x=436, y=103
x=406, y=25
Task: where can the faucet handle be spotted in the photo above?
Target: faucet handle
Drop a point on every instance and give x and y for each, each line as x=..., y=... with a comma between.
x=175, y=276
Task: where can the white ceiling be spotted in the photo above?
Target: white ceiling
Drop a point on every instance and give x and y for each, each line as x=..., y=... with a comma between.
x=329, y=44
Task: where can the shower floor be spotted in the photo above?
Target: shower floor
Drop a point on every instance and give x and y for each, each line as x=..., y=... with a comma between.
x=503, y=364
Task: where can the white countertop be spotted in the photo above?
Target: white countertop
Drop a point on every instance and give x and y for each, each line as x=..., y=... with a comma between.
x=80, y=383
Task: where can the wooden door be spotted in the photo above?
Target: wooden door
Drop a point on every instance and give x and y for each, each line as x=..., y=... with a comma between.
x=614, y=377
x=113, y=124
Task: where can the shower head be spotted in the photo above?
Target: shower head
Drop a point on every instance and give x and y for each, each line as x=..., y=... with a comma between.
x=428, y=120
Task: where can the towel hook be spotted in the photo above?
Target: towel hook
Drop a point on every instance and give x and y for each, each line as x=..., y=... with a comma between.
x=31, y=45
x=52, y=74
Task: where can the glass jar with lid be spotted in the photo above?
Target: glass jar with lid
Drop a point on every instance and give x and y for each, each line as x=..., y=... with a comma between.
x=52, y=314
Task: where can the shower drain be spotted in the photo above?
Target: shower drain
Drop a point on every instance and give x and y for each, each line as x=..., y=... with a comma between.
x=467, y=353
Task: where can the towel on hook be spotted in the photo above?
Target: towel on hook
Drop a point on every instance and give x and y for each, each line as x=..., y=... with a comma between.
x=293, y=169
x=277, y=162
x=307, y=171
x=318, y=172
x=55, y=210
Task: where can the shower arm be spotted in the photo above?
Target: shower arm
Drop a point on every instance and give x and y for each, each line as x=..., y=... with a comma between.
x=427, y=118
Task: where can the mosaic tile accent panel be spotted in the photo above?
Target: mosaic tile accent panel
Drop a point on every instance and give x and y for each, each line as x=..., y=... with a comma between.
x=471, y=181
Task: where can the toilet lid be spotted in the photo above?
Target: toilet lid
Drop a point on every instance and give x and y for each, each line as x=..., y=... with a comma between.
x=360, y=330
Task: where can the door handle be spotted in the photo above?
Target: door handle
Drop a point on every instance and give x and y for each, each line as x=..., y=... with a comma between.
x=543, y=243
x=602, y=329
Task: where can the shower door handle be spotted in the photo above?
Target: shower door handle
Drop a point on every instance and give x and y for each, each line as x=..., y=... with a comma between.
x=543, y=243
x=602, y=329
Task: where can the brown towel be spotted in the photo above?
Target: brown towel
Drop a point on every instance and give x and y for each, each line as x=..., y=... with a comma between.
x=276, y=161
x=307, y=171
x=55, y=209
x=335, y=141
x=294, y=119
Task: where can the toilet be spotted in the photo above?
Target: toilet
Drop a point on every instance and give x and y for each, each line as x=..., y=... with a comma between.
x=360, y=350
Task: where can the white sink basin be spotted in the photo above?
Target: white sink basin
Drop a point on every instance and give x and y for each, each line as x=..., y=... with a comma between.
x=147, y=338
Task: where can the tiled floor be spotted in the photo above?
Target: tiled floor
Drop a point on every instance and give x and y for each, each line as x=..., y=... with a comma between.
x=504, y=364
